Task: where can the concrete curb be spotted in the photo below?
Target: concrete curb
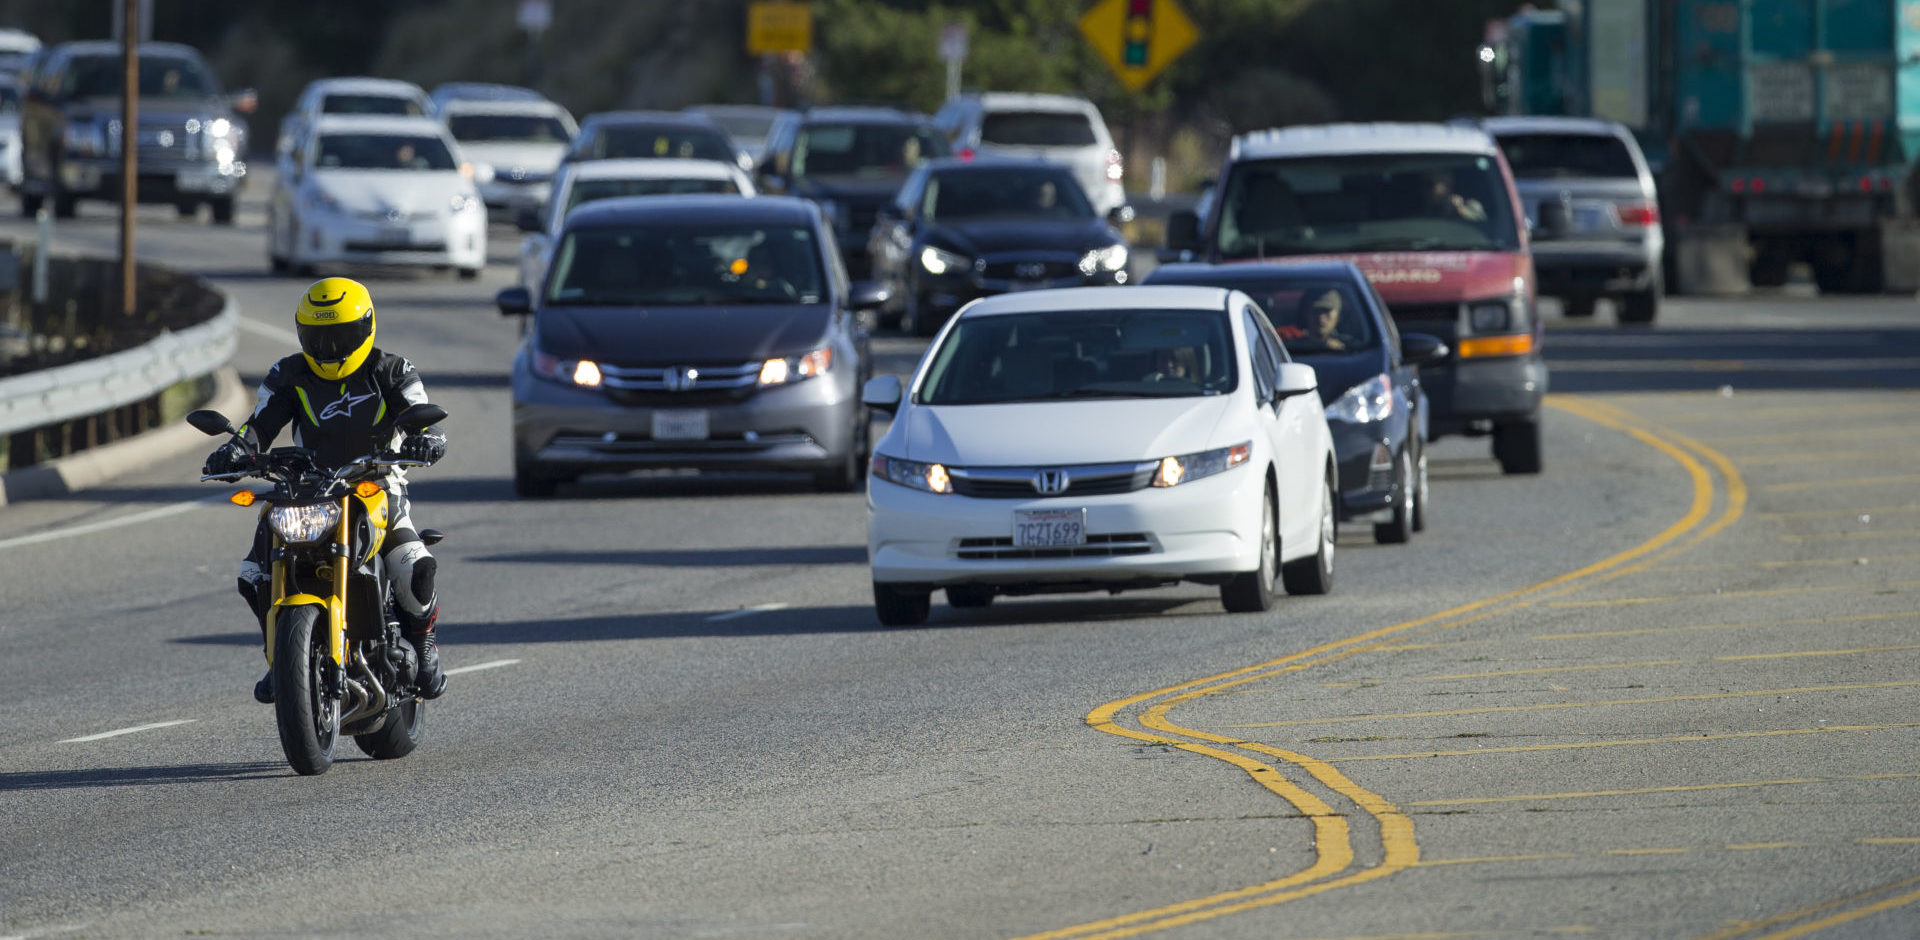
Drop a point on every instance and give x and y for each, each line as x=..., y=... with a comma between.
x=90, y=468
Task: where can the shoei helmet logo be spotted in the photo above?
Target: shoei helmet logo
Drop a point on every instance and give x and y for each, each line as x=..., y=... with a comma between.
x=323, y=315
x=1051, y=482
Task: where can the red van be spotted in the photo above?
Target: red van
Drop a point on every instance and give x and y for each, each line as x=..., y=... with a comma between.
x=1430, y=213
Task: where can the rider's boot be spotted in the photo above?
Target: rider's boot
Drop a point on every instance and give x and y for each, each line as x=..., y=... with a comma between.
x=257, y=601
x=429, y=680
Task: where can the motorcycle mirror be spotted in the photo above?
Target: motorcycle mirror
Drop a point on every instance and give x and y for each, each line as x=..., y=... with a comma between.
x=420, y=417
x=211, y=423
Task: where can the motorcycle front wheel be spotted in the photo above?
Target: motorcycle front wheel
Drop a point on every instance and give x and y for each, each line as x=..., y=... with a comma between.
x=399, y=735
x=308, y=718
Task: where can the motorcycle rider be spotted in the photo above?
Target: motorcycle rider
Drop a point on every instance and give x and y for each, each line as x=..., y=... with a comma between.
x=342, y=394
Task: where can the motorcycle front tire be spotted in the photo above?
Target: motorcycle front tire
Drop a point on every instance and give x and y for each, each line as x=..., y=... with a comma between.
x=309, y=721
x=399, y=735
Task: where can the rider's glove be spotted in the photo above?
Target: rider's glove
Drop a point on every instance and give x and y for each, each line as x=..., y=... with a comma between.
x=229, y=458
x=426, y=446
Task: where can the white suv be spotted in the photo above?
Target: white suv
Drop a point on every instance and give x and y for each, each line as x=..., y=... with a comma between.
x=1059, y=128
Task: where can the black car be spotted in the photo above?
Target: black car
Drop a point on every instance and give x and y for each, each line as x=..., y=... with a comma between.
x=613, y=135
x=1329, y=316
x=706, y=332
x=962, y=229
x=849, y=160
x=192, y=143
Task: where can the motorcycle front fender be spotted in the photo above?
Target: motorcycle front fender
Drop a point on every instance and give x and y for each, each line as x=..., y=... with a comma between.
x=327, y=607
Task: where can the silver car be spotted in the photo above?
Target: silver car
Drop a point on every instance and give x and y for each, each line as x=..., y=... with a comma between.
x=1058, y=128
x=1595, y=212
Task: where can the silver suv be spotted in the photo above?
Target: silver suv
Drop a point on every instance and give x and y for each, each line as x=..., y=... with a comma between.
x=1057, y=128
x=1595, y=212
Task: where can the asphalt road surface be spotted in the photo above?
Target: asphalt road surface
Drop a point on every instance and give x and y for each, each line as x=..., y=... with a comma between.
x=1666, y=688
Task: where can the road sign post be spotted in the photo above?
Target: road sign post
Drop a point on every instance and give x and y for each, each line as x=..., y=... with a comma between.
x=1138, y=39
x=953, y=51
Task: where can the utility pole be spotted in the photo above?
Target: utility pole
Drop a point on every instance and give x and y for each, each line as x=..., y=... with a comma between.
x=129, y=147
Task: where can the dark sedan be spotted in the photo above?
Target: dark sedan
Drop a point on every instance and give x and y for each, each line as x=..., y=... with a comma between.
x=614, y=135
x=959, y=230
x=706, y=332
x=1329, y=317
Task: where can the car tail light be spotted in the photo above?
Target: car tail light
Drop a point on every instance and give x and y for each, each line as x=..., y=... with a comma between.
x=1114, y=171
x=1739, y=185
x=1757, y=184
x=966, y=153
x=1638, y=213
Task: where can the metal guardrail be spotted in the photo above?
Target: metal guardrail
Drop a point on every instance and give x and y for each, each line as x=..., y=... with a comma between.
x=92, y=386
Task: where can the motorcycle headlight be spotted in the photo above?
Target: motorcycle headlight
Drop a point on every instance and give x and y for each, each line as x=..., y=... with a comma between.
x=925, y=477
x=1186, y=468
x=795, y=368
x=1369, y=401
x=1110, y=258
x=301, y=525
x=937, y=261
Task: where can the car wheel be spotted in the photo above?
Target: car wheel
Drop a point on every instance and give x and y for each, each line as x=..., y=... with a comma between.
x=968, y=596
x=1399, y=529
x=65, y=205
x=1314, y=573
x=222, y=210
x=1639, y=308
x=468, y=274
x=845, y=477
x=1516, y=444
x=898, y=608
x=1251, y=592
x=1577, y=307
x=186, y=210
x=1420, y=493
x=30, y=205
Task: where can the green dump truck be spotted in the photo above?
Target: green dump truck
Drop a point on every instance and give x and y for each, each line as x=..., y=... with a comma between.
x=1780, y=131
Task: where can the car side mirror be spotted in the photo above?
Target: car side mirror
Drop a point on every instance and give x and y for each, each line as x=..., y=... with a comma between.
x=1554, y=219
x=514, y=301
x=882, y=393
x=420, y=417
x=1120, y=215
x=210, y=423
x=1419, y=349
x=527, y=219
x=1296, y=378
x=1183, y=231
x=866, y=295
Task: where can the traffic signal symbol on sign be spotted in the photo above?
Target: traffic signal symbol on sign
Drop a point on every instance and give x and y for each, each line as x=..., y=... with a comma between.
x=1138, y=38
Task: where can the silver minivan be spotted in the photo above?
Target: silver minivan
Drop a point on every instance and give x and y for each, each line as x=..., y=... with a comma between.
x=1057, y=128
x=1590, y=197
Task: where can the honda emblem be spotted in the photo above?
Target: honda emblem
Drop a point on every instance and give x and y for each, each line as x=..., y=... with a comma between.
x=680, y=380
x=1051, y=482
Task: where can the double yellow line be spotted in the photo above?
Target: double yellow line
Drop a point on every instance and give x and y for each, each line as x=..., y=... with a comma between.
x=1333, y=839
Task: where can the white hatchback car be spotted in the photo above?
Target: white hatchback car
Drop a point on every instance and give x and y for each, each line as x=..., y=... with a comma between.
x=1100, y=439
x=1063, y=129
x=377, y=190
x=590, y=180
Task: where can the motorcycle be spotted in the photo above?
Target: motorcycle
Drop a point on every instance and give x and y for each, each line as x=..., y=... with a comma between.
x=339, y=661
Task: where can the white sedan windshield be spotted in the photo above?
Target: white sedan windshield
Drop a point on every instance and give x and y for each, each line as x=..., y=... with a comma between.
x=1082, y=354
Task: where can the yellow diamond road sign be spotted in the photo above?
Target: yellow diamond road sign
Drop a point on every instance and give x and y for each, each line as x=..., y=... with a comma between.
x=1138, y=38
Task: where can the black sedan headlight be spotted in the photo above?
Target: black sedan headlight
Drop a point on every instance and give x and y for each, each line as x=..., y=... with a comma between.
x=1110, y=258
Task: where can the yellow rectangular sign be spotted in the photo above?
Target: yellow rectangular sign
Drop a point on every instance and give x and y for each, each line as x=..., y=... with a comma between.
x=779, y=26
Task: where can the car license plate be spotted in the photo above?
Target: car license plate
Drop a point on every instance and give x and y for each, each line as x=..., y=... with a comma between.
x=193, y=181
x=1588, y=219
x=395, y=235
x=679, y=425
x=1049, y=528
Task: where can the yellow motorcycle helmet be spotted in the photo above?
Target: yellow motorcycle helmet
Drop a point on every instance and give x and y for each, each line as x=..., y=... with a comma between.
x=335, y=323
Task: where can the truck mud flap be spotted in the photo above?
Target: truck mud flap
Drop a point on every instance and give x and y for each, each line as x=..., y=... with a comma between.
x=1711, y=260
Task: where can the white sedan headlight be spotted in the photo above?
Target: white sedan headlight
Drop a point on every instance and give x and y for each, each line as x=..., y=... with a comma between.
x=1186, y=468
x=461, y=202
x=1110, y=258
x=1367, y=402
x=925, y=477
x=937, y=261
x=301, y=525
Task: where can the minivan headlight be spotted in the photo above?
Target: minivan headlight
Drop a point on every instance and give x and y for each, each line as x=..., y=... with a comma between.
x=301, y=525
x=795, y=368
x=1186, y=468
x=582, y=372
x=925, y=477
x=1367, y=402
x=937, y=261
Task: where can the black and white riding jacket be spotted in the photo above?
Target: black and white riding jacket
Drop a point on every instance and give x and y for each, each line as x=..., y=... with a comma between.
x=339, y=419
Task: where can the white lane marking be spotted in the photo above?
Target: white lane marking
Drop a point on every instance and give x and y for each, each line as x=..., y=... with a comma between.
x=137, y=728
x=88, y=528
x=746, y=612
x=45, y=932
x=476, y=668
x=278, y=334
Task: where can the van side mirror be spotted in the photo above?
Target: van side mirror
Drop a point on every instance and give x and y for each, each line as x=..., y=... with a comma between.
x=1419, y=349
x=514, y=301
x=1183, y=231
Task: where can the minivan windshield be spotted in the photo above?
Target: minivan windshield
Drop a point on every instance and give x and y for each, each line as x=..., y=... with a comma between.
x=1013, y=193
x=869, y=150
x=1081, y=354
x=1366, y=202
x=687, y=265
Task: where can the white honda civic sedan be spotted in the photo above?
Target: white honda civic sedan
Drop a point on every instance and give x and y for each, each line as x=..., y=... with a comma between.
x=377, y=190
x=1100, y=439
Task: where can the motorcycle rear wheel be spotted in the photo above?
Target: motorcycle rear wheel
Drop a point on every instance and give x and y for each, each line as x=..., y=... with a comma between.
x=308, y=719
x=404, y=727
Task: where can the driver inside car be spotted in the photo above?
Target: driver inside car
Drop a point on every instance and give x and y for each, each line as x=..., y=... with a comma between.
x=341, y=394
